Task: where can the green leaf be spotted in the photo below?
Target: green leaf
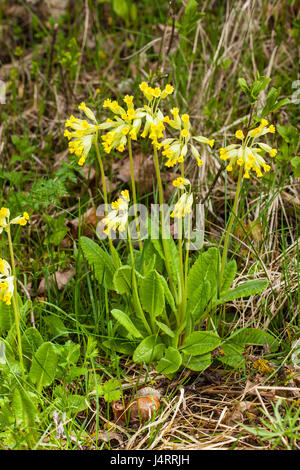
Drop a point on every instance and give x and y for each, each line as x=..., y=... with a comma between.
x=31, y=341
x=120, y=345
x=152, y=293
x=6, y=316
x=165, y=329
x=232, y=356
x=198, y=301
x=206, y=268
x=243, y=85
x=43, y=367
x=170, y=363
x=124, y=319
x=111, y=390
x=295, y=162
x=229, y=275
x=24, y=409
x=201, y=342
x=243, y=290
x=56, y=326
x=197, y=363
x=150, y=349
x=121, y=9
x=254, y=336
x=100, y=261
x=168, y=294
x=123, y=280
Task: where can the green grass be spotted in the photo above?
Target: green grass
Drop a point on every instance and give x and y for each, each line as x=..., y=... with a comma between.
x=48, y=71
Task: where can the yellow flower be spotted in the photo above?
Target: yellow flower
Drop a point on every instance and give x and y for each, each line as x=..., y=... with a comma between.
x=6, y=282
x=247, y=154
x=239, y=134
x=176, y=149
x=180, y=182
x=167, y=91
x=125, y=123
x=82, y=134
x=117, y=218
x=5, y=222
x=183, y=206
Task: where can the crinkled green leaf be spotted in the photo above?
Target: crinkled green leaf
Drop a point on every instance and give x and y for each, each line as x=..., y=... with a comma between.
x=124, y=319
x=201, y=342
x=170, y=363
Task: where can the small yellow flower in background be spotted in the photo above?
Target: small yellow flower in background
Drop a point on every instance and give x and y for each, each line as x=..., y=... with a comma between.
x=5, y=222
x=118, y=217
x=21, y=219
x=151, y=94
x=175, y=150
x=183, y=206
x=248, y=153
x=6, y=282
x=4, y=218
x=181, y=182
x=82, y=135
x=239, y=134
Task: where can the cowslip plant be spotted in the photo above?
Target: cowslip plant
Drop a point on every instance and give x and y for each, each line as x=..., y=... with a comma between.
x=164, y=297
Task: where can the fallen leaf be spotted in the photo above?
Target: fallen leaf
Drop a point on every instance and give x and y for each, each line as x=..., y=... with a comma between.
x=241, y=411
x=108, y=436
x=60, y=277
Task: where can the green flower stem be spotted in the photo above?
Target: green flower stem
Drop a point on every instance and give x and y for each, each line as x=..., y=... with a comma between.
x=134, y=193
x=15, y=303
x=182, y=285
x=229, y=228
x=135, y=289
x=105, y=196
x=161, y=202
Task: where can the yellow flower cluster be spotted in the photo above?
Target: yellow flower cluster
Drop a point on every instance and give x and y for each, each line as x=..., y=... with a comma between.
x=125, y=123
x=248, y=153
x=181, y=182
x=5, y=222
x=6, y=282
x=175, y=150
x=118, y=217
x=157, y=94
x=83, y=133
x=183, y=206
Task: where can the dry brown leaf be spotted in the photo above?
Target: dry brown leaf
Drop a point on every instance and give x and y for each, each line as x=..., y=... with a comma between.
x=89, y=218
x=60, y=277
x=241, y=411
x=108, y=436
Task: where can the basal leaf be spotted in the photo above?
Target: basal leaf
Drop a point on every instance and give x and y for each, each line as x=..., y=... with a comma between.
x=243, y=290
x=229, y=275
x=152, y=293
x=165, y=329
x=197, y=363
x=43, y=367
x=150, y=349
x=124, y=319
x=201, y=342
x=254, y=336
x=232, y=355
x=100, y=261
x=170, y=363
x=206, y=268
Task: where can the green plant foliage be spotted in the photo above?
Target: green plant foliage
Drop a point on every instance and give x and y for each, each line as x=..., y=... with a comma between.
x=44, y=363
